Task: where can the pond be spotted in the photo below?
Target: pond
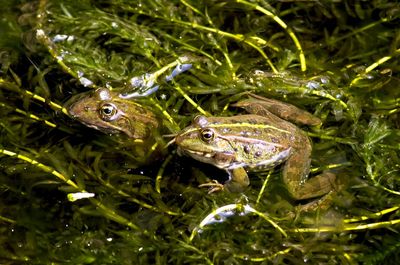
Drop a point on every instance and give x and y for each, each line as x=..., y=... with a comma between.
x=199, y=132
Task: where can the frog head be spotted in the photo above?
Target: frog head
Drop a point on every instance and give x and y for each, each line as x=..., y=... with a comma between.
x=104, y=110
x=204, y=143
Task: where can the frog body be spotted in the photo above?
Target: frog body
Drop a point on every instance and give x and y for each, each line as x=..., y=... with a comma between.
x=104, y=110
x=257, y=142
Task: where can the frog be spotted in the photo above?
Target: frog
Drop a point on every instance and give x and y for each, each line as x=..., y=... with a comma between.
x=257, y=141
x=104, y=110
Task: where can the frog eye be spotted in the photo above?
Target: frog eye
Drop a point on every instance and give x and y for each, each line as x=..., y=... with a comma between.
x=108, y=111
x=207, y=135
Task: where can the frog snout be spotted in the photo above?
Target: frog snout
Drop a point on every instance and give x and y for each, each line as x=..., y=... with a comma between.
x=71, y=108
x=73, y=105
x=178, y=140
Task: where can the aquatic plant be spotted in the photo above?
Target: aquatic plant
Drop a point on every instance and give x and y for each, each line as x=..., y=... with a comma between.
x=73, y=194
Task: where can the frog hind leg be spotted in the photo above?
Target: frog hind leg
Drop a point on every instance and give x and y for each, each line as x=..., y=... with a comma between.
x=295, y=176
x=322, y=203
x=263, y=106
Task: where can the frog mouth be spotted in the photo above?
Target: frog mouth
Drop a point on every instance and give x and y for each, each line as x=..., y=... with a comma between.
x=196, y=153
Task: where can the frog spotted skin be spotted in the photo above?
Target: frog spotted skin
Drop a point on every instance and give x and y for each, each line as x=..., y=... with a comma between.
x=257, y=142
x=104, y=110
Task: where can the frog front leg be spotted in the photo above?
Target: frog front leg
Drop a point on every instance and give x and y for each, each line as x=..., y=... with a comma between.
x=295, y=175
x=238, y=181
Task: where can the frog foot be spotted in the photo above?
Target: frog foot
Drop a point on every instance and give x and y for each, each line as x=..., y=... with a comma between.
x=213, y=186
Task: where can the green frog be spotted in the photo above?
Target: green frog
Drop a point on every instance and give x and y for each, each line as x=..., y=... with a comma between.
x=257, y=142
x=106, y=111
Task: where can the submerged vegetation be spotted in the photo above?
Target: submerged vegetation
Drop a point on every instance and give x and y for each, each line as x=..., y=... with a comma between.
x=73, y=194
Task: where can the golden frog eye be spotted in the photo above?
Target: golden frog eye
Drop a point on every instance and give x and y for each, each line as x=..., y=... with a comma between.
x=108, y=111
x=207, y=135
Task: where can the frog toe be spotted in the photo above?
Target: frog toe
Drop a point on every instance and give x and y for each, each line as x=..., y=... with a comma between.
x=213, y=186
